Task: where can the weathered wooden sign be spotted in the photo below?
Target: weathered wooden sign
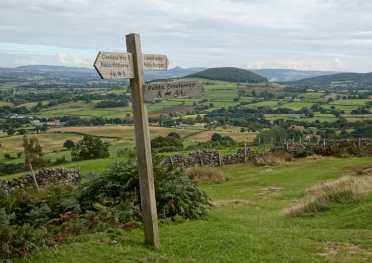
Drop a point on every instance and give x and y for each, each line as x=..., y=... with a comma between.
x=155, y=62
x=158, y=91
x=118, y=65
x=130, y=65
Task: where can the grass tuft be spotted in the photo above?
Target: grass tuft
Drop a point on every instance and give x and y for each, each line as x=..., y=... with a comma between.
x=274, y=159
x=322, y=195
x=206, y=175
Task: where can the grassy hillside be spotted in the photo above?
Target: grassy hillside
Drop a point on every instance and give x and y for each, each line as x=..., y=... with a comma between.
x=328, y=79
x=246, y=223
x=229, y=74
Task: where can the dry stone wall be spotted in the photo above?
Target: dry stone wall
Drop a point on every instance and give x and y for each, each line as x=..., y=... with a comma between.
x=56, y=176
x=323, y=146
x=211, y=158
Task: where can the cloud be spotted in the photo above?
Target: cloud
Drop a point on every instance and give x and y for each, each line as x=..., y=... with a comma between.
x=68, y=60
x=287, y=33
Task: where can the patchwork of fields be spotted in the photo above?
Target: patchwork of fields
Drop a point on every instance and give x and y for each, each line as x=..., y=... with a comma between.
x=220, y=94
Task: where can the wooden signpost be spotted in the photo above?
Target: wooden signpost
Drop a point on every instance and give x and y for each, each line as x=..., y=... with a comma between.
x=130, y=65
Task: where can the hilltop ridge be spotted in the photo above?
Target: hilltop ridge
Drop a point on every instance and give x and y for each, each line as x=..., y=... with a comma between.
x=229, y=74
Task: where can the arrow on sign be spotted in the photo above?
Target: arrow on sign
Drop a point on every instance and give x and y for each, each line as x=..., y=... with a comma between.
x=158, y=91
x=118, y=65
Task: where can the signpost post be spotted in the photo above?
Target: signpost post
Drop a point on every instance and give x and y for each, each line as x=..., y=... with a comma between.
x=115, y=65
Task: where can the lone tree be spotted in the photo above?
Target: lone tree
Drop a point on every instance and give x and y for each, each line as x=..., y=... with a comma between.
x=174, y=134
x=160, y=142
x=216, y=137
x=90, y=148
x=32, y=151
x=69, y=144
x=44, y=128
x=10, y=132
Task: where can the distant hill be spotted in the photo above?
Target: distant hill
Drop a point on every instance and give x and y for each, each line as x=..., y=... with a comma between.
x=46, y=68
x=284, y=75
x=229, y=74
x=87, y=74
x=334, y=78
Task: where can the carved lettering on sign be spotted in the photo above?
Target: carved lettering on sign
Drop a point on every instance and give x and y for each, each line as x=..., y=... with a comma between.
x=114, y=65
x=172, y=90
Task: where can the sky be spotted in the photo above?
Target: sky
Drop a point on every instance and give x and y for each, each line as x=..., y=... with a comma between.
x=326, y=35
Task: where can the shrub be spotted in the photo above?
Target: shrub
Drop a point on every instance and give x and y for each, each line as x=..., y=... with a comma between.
x=274, y=158
x=165, y=144
x=33, y=152
x=31, y=220
x=216, y=137
x=60, y=160
x=166, y=141
x=119, y=185
x=322, y=195
x=174, y=134
x=7, y=156
x=127, y=152
x=301, y=154
x=69, y=144
x=90, y=148
x=206, y=174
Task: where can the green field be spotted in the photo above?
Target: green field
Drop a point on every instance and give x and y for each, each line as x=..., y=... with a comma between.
x=220, y=95
x=264, y=103
x=360, y=102
x=296, y=105
x=315, y=95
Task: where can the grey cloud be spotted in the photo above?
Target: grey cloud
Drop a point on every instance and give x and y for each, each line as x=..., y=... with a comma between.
x=207, y=33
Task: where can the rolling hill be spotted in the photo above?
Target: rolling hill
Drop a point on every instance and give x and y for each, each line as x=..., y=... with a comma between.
x=280, y=75
x=331, y=79
x=228, y=74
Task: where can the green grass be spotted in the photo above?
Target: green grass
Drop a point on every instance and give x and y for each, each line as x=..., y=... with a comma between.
x=312, y=95
x=356, y=102
x=4, y=103
x=296, y=105
x=264, y=103
x=246, y=225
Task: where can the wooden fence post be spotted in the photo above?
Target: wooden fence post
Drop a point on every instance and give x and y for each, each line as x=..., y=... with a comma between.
x=33, y=175
x=201, y=160
x=219, y=159
x=245, y=152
